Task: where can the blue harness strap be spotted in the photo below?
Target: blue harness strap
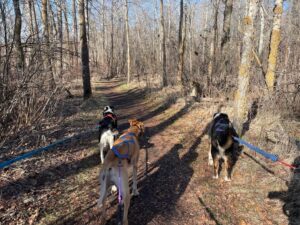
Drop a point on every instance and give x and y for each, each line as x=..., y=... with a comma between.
x=270, y=156
x=126, y=141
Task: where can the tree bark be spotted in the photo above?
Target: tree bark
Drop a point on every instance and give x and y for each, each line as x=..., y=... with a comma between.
x=262, y=29
x=274, y=44
x=163, y=45
x=128, y=43
x=112, y=40
x=213, y=47
x=240, y=110
x=75, y=31
x=226, y=25
x=17, y=34
x=87, y=91
x=181, y=49
x=48, y=64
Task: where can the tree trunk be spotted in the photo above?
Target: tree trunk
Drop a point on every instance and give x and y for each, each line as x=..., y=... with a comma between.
x=60, y=36
x=226, y=25
x=262, y=29
x=4, y=24
x=48, y=64
x=163, y=45
x=67, y=30
x=87, y=91
x=17, y=34
x=112, y=41
x=240, y=109
x=128, y=43
x=181, y=50
x=75, y=31
x=213, y=47
x=274, y=44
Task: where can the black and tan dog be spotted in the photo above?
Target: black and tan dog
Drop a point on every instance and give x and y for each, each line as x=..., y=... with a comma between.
x=223, y=147
x=125, y=152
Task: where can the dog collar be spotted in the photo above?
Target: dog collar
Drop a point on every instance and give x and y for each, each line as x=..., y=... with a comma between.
x=110, y=116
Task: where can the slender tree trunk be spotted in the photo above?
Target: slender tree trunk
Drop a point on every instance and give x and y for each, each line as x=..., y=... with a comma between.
x=244, y=69
x=87, y=14
x=213, y=47
x=274, y=44
x=4, y=24
x=262, y=29
x=87, y=91
x=17, y=34
x=60, y=36
x=103, y=33
x=205, y=37
x=226, y=25
x=35, y=21
x=67, y=31
x=75, y=31
x=128, y=43
x=181, y=49
x=112, y=40
x=48, y=64
x=163, y=45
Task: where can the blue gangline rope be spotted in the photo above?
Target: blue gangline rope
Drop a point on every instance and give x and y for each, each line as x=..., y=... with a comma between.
x=39, y=150
x=270, y=156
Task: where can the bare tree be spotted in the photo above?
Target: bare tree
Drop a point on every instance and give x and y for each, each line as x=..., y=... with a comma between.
x=213, y=45
x=128, y=43
x=17, y=34
x=274, y=44
x=75, y=31
x=181, y=48
x=87, y=91
x=112, y=40
x=163, y=45
x=244, y=69
x=48, y=64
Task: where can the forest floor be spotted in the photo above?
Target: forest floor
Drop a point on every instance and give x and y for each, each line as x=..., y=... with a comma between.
x=61, y=186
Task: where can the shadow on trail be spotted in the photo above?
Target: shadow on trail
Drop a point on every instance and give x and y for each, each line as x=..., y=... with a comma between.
x=36, y=181
x=161, y=190
x=291, y=197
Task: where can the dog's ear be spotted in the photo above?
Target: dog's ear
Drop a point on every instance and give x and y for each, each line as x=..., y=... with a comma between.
x=112, y=107
x=132, y=122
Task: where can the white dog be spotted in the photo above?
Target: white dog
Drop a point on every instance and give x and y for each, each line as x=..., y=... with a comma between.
x=107, y=130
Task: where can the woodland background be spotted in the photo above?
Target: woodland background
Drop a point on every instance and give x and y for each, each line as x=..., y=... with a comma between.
x=244, y=50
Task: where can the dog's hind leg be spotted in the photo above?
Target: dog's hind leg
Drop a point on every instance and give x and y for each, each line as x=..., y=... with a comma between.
x=125, y=195
x=101, y=148
x=103, y=190
x=135, y=191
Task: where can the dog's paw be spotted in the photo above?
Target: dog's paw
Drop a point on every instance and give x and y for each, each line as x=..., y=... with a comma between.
x=215, y=177
x=227, y=179
x=114, y=189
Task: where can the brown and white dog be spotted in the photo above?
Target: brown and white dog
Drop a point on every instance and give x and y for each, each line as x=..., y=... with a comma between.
x=223, y=147
x=125, y=152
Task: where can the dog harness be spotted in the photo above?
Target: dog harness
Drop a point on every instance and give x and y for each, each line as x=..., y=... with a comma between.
x=127, y=139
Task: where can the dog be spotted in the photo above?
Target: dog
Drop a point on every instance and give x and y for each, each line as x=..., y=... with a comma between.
x=223, y=145
x=107, y=130
x=125, y=152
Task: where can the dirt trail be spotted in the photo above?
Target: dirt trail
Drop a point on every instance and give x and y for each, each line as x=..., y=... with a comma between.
x=175, y=184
